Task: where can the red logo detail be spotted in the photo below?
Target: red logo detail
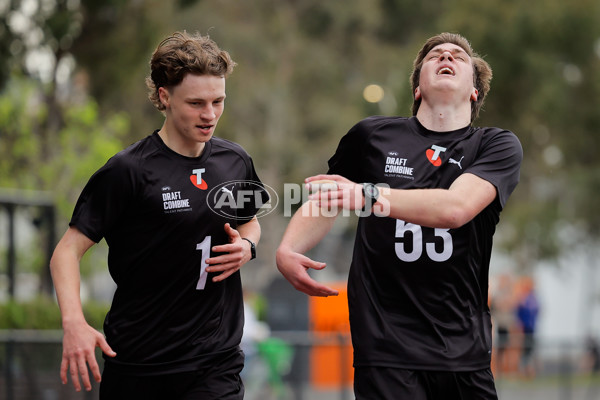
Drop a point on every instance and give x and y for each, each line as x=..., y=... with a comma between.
x=202, y=185
x=437, y=162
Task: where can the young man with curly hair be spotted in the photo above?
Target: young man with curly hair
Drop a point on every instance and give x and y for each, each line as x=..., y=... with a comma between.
x=175, y=324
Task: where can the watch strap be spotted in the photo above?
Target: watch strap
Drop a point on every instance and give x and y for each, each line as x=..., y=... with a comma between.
x=252, y=248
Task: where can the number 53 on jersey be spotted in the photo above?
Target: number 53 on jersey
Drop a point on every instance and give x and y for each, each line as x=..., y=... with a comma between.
x=412, y=244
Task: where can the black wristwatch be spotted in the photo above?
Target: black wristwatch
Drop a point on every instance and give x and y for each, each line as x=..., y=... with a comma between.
x=252, y=248
x=371, y=194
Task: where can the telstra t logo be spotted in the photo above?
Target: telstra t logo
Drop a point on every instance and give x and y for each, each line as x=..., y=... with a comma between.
x=433, y=155
x=197, y=180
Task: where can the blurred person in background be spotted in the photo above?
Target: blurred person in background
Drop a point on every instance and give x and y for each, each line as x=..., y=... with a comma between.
x=592, y=356
x=255, y=332
x=418, y=284
x=591, y=364
x=175, y=324
x=527, y=314
x=502, y=307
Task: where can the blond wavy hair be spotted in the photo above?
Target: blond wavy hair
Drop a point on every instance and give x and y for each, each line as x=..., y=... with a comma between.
x=180, y=54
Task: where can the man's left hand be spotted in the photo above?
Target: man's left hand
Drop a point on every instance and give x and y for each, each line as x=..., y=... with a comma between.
x=236, y=254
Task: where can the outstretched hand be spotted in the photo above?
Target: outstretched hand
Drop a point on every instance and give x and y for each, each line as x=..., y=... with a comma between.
x=236, y=254
x=294, y=267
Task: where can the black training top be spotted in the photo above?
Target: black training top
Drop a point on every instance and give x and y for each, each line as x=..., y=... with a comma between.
x=161, y=213
x=418, y=295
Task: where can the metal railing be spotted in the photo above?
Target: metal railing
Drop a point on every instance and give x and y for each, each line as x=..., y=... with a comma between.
x=30, y=363
x=30, y=367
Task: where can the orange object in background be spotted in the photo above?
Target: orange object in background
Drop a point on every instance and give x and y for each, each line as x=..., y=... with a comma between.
x=331, y=356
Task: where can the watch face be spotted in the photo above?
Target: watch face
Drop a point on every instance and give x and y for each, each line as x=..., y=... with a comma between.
x=371, y=193
x=371, y=190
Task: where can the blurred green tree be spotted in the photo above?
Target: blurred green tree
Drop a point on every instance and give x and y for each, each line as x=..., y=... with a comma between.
x=67, y=100
x=546, y=86
x=57, y=162
x=298, y=88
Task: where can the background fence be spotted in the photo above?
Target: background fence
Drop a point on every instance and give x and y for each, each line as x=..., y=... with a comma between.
x=296, y=365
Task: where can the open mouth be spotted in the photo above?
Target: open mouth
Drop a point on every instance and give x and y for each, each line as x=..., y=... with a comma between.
x=445, y=71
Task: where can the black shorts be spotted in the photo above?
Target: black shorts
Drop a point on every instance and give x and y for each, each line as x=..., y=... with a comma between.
x=218, y=381
x=377, y=383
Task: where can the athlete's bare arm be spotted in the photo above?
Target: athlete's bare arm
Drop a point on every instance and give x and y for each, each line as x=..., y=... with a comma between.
x=80, y=339
x=306, y=228
x=437, y=208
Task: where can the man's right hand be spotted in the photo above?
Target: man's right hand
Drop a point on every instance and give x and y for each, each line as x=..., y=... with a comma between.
x=79, y=345
x=294, y=267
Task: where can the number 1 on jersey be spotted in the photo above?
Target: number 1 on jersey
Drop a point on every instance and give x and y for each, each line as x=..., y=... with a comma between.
x=204, y=247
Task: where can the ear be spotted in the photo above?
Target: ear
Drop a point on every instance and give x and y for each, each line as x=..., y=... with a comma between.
x=474, y=94
x=163, y=95
x=418, y=93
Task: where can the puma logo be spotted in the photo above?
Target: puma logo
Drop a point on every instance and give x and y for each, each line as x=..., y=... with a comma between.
x=228, y=191
x=453, y=161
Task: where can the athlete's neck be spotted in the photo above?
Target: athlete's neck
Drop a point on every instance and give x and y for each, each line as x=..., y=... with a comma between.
x=179, y=145
x=444, y=118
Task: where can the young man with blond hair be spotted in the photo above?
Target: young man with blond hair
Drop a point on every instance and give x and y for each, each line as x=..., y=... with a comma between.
x=175, y=324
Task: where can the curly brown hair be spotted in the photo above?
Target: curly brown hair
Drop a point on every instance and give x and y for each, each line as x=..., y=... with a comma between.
x=482, y=72
x=180, y=54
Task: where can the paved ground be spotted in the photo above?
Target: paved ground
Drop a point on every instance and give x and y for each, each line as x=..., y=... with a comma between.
x=543, y=389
